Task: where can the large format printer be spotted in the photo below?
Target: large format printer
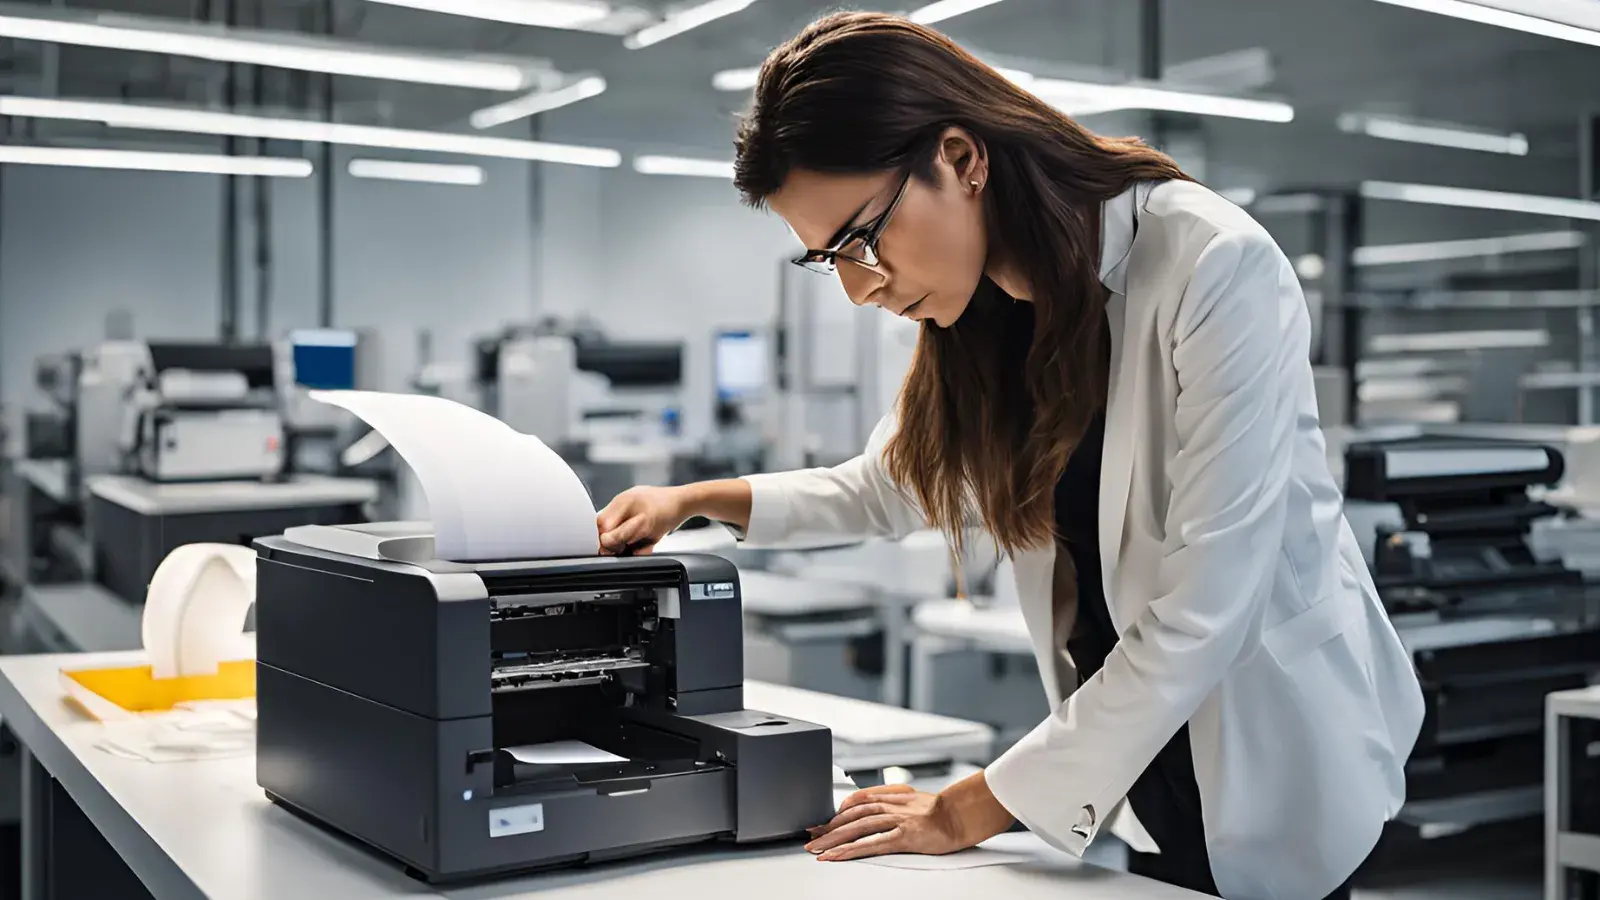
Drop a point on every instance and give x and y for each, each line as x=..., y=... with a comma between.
x=469, y=719
x=1491, y=627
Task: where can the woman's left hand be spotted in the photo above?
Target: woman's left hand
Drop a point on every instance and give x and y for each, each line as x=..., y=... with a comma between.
x=899, y=819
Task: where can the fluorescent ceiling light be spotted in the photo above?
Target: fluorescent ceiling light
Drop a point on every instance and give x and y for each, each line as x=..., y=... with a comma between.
x=678, y=165
x=573, y=14
x=1437, y=134
x=429, y=173
x=197, y=121
x=149, y=161
x=735, y=79
x=1435, y=251
x=1440, y=341
x=684, y=20
x=1503, y=18
x=538, y=102
x=1238, y=196
x=947, y=9
x=1085, y=98
x=1532, y=204
x=284, y=51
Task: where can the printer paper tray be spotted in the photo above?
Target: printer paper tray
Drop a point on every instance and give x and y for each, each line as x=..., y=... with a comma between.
x=560, y=672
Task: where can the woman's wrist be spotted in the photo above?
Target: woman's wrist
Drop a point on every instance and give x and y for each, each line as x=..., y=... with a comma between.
x=723, y=501
x=971, y=811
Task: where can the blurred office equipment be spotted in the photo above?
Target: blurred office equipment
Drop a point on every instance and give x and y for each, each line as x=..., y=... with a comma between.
x=167, y=443
x=611, y=408
x=837, y=370
x=1492, y=628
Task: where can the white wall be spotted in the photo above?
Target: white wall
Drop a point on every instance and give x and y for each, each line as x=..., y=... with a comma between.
x=78, y=244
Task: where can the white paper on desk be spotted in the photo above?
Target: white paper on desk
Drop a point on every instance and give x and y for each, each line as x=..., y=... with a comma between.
x=562, y=753
x=1001, y=850
x=493, y=492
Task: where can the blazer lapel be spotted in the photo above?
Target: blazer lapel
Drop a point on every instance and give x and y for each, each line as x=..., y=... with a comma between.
x=1118, y=231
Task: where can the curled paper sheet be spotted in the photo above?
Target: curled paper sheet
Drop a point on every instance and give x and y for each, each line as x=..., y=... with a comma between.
x=493, y=492
x=196, y=607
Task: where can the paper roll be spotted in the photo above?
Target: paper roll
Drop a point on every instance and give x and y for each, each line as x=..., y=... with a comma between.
x=493, y=492
x=196, y=607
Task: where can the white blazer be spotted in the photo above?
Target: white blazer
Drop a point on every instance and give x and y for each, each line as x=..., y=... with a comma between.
x=1241, y=595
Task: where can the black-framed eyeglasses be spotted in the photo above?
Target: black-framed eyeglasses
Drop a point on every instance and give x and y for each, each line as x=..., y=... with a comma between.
x=858, y=245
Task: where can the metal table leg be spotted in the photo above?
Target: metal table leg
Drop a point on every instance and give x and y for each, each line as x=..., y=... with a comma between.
x=36, y=788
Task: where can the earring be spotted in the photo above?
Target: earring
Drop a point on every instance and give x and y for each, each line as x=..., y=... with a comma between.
x=974, y=184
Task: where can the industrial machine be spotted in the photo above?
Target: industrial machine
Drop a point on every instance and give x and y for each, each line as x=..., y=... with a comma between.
x=516, y=714
x=203, y=412
x=1492, y=628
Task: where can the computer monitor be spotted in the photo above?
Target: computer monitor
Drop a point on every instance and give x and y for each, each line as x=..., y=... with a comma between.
x=741, y=364
x=324, y=359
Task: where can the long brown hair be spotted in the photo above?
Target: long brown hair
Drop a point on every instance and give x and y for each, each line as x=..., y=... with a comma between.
x=870, y=92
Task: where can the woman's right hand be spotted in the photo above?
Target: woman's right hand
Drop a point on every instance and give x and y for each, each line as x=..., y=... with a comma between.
x=638, y=518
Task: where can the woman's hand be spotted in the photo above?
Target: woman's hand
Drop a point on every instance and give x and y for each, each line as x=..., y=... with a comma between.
x=899, y=819
x=638, y=518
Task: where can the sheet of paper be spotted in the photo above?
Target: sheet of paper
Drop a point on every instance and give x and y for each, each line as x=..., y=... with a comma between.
x=1001, y=850
x=493, y=493
x=562, y=753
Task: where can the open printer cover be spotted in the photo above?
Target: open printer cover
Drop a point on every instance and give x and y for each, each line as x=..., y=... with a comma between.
x=429, y=708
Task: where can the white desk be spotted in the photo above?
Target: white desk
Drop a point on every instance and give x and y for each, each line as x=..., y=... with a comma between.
x=51, y=477
x=1565, y=849
x=156, y=499
x=204, y=829
x=869, y=736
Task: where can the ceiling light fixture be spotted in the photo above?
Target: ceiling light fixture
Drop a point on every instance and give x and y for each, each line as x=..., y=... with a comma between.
x=947, y=9
x=1086, y=98
x=1474, y=248
x=1439, y=195
x=678, y=165
x=571, y=14
x=684, y=20
x=1503, y=18
x=426, y=173
x=152, y=161
x=284, y=51
x=197, y=121
x=538, y=102
x=1436, y=134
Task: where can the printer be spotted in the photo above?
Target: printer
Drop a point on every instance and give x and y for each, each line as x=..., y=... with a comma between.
x=203, y=412
x=470, y=719
x=1492, y=628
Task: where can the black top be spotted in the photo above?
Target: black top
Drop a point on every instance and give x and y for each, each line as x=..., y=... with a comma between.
x=1165, y=797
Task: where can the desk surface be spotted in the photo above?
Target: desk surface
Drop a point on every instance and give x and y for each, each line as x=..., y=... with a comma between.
x=52, y=477
x=1583, y=702
x=81, y=617
x=999, y=629
x=771, y=594
x=871, y=735
x=204, y=829
x=155, y=499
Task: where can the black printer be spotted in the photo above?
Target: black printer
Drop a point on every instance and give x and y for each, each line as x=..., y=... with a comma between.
x=1491, y=627
x=475, y=719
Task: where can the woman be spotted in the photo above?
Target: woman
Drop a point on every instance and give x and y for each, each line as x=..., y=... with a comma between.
x=1112, y=381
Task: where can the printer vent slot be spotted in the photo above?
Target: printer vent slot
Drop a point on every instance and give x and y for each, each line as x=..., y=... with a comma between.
x=605, y=582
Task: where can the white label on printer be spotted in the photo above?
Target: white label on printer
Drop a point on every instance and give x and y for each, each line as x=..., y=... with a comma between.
x=516, y=820
x=711, y=590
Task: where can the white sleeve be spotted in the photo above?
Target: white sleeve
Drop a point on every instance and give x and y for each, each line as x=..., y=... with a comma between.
x=853, y=499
